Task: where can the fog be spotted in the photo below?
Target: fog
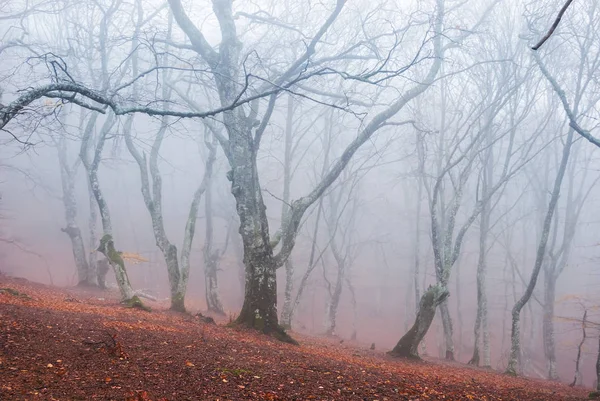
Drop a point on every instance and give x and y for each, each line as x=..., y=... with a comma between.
x=357, y=152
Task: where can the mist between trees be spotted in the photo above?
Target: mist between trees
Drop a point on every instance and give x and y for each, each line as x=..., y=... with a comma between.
x=337, y=168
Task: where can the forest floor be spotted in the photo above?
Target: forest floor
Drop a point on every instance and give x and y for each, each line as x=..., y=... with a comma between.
x=74, y=344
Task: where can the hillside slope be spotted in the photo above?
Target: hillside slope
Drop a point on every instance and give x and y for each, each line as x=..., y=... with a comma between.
x=58, y=344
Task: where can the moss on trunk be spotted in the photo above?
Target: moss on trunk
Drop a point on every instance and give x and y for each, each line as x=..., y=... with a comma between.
x=178, y=302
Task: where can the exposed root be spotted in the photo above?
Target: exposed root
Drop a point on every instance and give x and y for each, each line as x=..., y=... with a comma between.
x=205, y=319
x=136, y=303
x=14, y=293
x=281, y=335
x=406, y=356
x=278, y=332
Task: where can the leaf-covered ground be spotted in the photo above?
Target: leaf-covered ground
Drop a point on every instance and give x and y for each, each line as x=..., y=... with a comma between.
x=60, y=344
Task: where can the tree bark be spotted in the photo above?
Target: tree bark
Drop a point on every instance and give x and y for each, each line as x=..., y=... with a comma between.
x=286, y=312
x=94, y=266
x=516, y=311
x=106, y=243
x=85, y=275
x=241, y=148
x=482, y=307
x=312, y=262
x=448, y=330
x=211, y=257
x=408, y=346
x=598, y=367
x=548, y=323
x=577, y=378
x=334, y=302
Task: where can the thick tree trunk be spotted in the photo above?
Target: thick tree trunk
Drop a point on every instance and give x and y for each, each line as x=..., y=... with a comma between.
x=286, y=312
x=408, y=346
x=515, y=349
x=448, y=330
x=170, y=255
x=259, y=310
x=548, y=324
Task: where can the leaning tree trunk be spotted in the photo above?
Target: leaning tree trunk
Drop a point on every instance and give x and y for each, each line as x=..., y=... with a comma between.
x=515, y=348
x=408, y=346
x=106, y=243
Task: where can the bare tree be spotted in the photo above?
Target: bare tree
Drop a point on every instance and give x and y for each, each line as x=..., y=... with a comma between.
x=86, y=274
x=408, y=346
x=541, y=250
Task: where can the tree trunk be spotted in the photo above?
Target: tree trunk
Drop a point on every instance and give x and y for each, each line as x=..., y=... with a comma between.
x=213, y=301
x=481, y=319
x=106, y=242
x=83, y=272
x=548, y=324
x=516, y=312
x=577, y=378
x=259, y=310
x=211, y=257
x=103, y=268
x=312, y=262
x=448, y=330
x=107, y=248
x=67, y=174
x=408, y=346
x=354, y=309
x=335, y=301
x=94, y=265
x=286, y=312
x=598, y=367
